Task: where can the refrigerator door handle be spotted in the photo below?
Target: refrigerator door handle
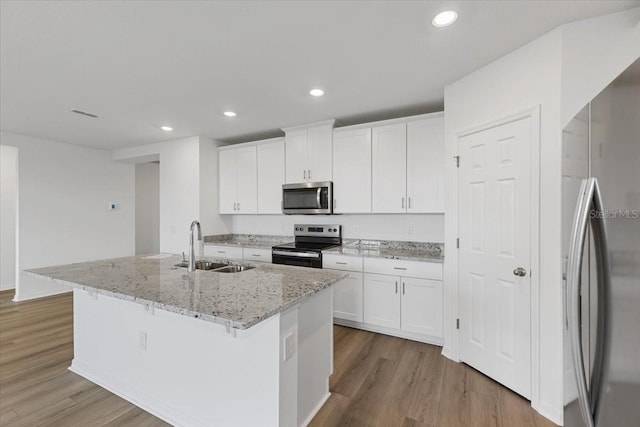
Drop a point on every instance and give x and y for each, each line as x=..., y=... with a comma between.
x=589, y=206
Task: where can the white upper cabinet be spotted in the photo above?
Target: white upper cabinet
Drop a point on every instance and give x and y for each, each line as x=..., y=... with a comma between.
x=238, y=184
x=407, y=173
x=270, y=176
x=389, y=168
x=425, y=165
x=308, y=152
x=352, y=171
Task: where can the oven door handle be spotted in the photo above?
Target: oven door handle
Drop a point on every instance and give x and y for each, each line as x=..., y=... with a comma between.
x=297, y=254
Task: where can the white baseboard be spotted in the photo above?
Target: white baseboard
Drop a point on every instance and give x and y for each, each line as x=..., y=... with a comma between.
x=389, y=331
x=8, y=287
x=313, y=413
x=549, y=411
x=41, y=294
x=136, y=397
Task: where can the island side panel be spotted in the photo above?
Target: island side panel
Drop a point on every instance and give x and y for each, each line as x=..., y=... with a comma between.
x=315, y=353
x=186, y=371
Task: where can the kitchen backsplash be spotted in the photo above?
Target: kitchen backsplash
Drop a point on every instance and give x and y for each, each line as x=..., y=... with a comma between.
x=405, y=227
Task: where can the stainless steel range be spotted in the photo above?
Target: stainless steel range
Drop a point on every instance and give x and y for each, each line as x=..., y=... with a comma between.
x=310, y=241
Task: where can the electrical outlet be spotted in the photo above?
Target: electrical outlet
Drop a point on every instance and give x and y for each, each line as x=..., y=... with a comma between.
x=143, y=341
x=289, y=346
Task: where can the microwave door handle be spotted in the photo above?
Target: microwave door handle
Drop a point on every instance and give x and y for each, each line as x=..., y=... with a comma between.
x=318, y=198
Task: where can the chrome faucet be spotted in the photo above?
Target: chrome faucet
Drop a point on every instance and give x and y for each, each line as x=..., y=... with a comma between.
x=192, y=252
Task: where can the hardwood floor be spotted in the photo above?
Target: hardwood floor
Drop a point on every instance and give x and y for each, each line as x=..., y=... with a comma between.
x=377, y=381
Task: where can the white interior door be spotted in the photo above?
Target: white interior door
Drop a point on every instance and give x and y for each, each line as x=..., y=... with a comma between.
x=495, y=234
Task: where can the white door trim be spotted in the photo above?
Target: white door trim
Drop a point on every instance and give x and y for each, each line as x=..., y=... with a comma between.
x=454, y=349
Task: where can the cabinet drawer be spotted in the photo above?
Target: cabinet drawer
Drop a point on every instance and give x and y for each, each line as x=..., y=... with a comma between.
x=396, y=267
x=341, y=262
x=230, y=252
x=257, y=254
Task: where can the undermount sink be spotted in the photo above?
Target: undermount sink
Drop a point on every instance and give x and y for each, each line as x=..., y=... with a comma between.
x=233, y=269
x=217, y=267
x=203, y=265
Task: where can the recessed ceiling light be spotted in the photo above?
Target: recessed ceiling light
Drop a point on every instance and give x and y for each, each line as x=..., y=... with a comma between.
x=316, y=92
x=166, y=128
x=229, y=114
x=445, y=18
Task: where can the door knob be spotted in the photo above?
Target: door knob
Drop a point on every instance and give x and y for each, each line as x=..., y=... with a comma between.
x=520, y=272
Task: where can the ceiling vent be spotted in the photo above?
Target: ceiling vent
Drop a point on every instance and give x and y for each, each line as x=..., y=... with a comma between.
x=84, y=113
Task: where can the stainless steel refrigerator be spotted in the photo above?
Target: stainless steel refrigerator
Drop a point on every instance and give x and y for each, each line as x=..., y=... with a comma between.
x=601, y=243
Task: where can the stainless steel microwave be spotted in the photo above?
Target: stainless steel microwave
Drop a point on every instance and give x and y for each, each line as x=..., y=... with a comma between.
x=307, y=198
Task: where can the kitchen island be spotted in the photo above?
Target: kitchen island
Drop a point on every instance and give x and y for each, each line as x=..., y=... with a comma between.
x=205, y=348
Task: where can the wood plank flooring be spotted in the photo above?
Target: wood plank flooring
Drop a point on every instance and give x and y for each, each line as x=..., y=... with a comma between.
x=377, y=381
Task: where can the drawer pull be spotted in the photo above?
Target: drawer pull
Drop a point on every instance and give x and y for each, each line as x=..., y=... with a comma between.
x=222, y=252
x=341, y=263
x=255, y=255
x=399, y=268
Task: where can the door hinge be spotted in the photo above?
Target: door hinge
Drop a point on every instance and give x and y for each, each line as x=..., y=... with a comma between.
x=458, y=242
x=457, y=161
x=457, y=323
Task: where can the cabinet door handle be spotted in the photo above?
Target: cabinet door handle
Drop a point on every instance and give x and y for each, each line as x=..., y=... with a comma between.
x=334, y=203
x=403, y=203
x=304, y=172
x=309, y=173
x=396, y=286
x=409, y=202
x=234, y=207
x=402, y=288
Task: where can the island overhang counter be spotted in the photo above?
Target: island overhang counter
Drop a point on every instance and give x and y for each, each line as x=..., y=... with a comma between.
x=204, y=348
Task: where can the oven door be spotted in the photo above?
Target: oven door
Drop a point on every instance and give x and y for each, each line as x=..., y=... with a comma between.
x=307, y=198
x=297, y=257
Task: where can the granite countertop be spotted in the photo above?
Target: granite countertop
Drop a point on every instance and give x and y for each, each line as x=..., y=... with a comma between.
x=412, y=251
x=260, y=241
x=237, y=300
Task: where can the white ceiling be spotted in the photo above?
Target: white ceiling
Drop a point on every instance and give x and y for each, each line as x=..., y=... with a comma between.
x=140, y=65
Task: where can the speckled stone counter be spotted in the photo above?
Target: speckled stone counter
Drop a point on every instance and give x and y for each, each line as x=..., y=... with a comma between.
x=239, y=300
x=413, y=251
x=247, y=240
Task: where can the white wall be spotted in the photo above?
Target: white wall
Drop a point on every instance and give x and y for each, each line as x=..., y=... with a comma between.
x=8, y=206
x=409, y=227
x=545, y=73
x=147, y=208
x=188, y=187
x=585, y=45
x=64, y=192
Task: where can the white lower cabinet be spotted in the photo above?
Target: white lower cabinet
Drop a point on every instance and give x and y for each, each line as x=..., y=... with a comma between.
x=421, y=306
x=347, y=298
x=382, y=300
x=256, y=254
x=406, y=303
x=222, y=251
